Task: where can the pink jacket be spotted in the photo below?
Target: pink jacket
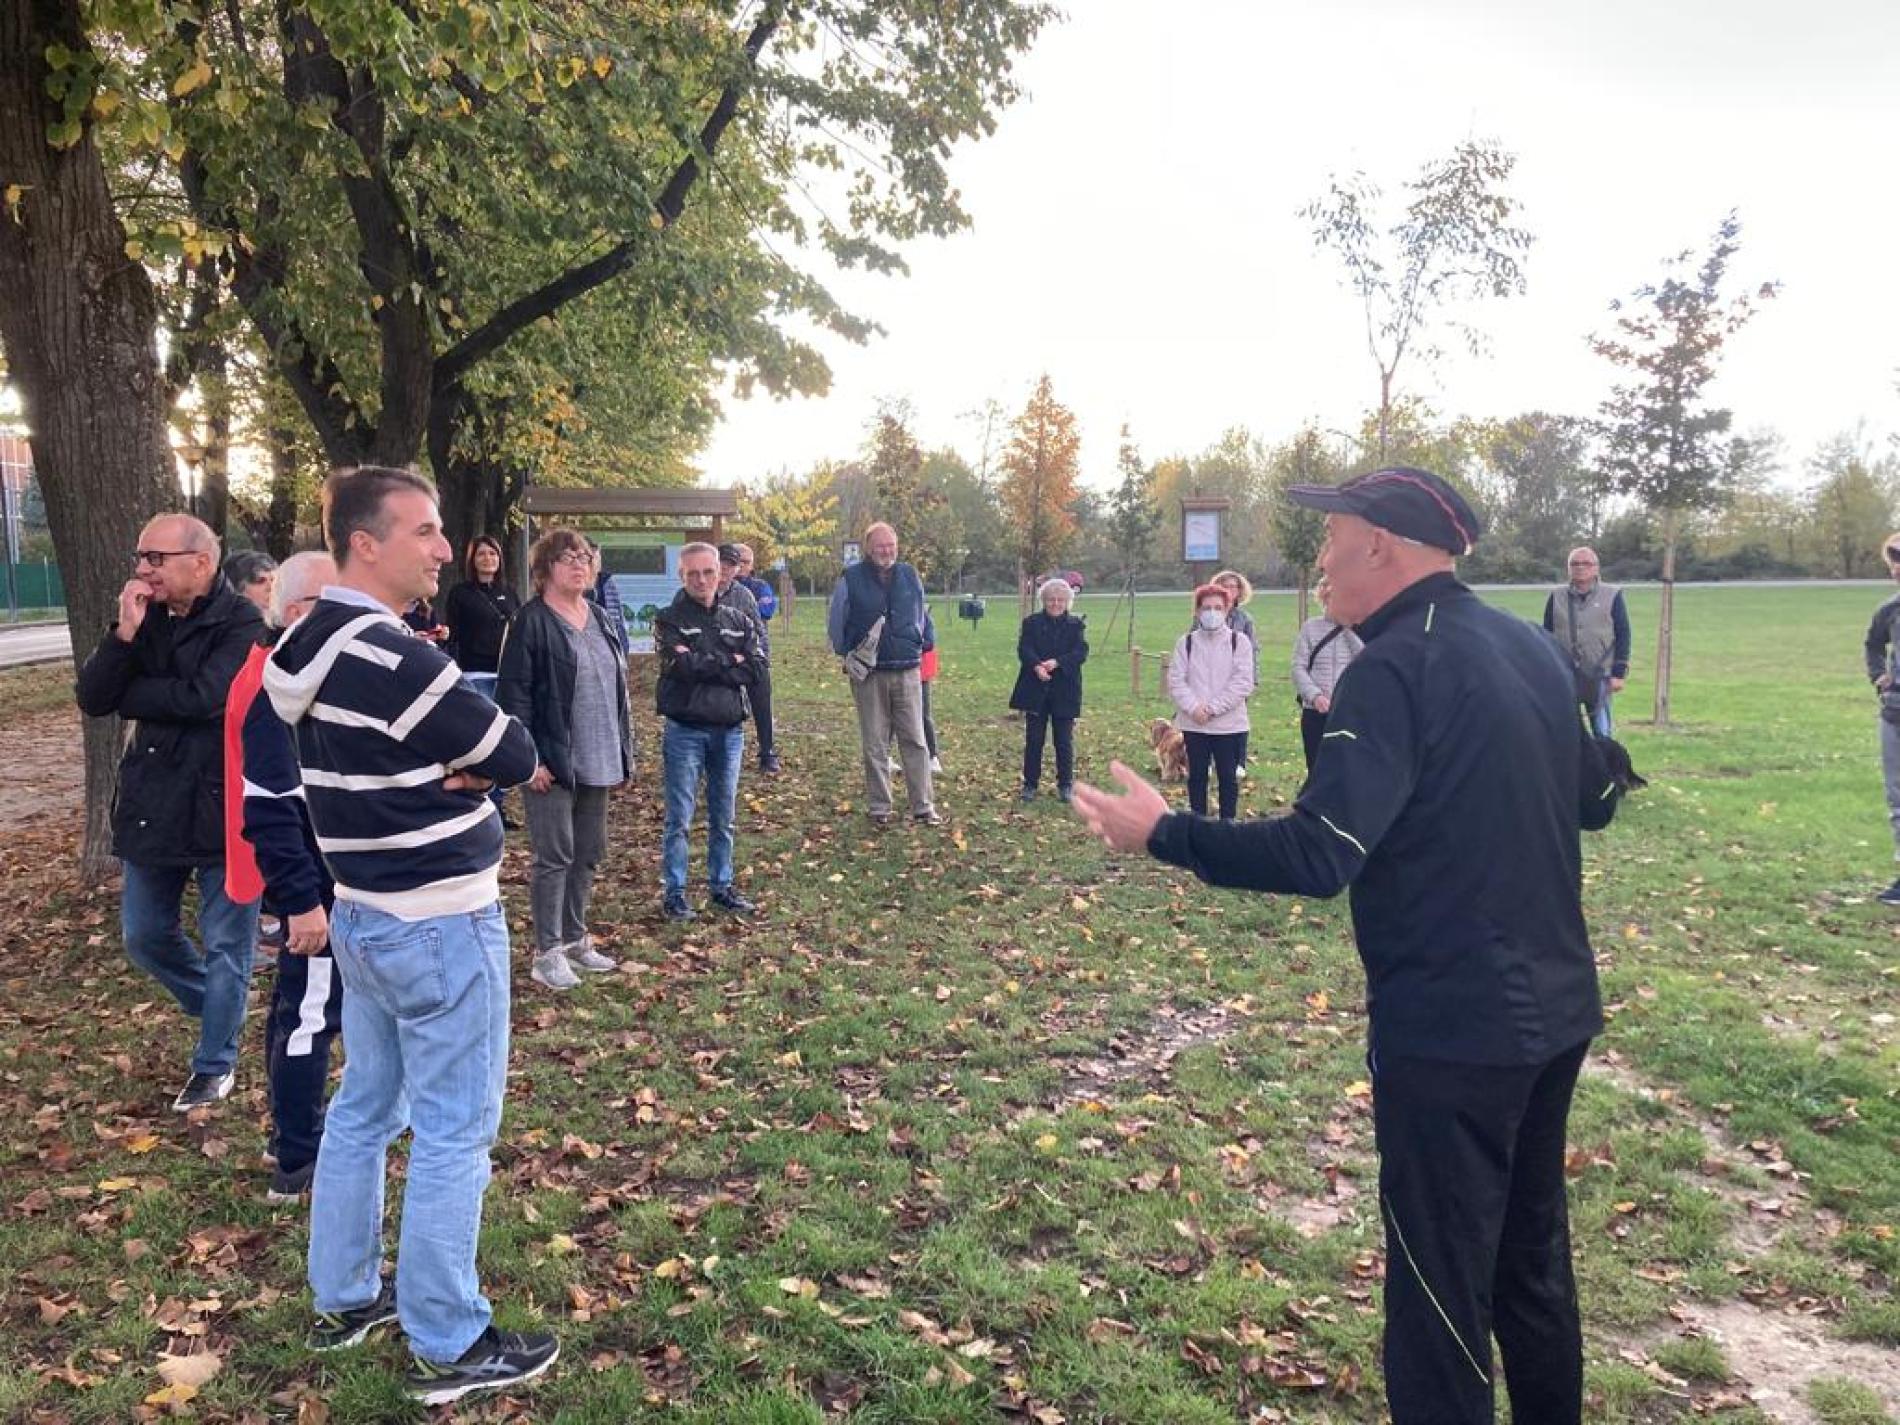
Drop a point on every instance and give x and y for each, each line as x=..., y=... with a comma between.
x=1215, y=669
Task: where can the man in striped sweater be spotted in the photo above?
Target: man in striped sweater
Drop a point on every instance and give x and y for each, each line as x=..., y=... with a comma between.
x=397, y=753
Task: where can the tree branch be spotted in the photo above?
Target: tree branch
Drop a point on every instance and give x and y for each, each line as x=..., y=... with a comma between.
x=576, y=282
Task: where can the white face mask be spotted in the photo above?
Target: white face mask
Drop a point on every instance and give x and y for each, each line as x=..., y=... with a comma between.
x=1213, y=619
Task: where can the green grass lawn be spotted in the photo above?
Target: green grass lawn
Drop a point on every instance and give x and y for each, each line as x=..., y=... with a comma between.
x=984, y=1123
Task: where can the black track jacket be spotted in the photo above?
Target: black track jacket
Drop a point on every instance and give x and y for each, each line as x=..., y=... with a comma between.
x=1448, y=793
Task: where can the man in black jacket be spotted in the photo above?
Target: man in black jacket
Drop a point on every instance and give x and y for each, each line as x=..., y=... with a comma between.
x=709, y=657
x=166, y=665
x=1448, y=792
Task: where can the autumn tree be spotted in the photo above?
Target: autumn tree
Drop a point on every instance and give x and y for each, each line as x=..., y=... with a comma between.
x=1040, y=470
x=795, y=519
x=1663, y=444
x=1849, y=510
x=901, y=498
x=1455, y=241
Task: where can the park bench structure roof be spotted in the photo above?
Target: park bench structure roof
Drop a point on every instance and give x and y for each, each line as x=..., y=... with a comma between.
x=687, y=507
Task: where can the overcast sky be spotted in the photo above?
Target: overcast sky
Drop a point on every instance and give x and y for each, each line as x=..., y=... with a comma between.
x=1136, y=232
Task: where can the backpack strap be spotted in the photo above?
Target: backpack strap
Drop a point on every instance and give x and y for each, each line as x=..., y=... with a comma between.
x=1313, y=657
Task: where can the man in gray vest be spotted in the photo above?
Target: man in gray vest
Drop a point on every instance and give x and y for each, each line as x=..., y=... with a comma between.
x=1587, y=618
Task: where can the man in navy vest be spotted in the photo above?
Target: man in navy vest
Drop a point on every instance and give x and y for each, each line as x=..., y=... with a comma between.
x=890, y=696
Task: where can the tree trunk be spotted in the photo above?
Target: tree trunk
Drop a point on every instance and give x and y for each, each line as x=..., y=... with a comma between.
x=1305, y=579
x=1666, y=625
x=79, y=323
x=214, y=472
x=280, y=519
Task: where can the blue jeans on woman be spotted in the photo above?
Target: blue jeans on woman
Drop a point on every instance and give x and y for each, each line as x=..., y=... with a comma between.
x=425, y=1027
x=688, y=749
x=210, y=984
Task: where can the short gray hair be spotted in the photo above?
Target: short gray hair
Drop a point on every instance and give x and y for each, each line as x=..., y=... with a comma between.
x=698, y=546
x=1054, y=586
x=300, y=577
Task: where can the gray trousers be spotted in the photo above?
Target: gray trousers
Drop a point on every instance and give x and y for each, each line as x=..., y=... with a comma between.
x=891, y=704
x=1890, y=765
x=568, y=830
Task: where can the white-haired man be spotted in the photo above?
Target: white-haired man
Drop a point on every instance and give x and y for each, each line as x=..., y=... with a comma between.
x=166, y=666
x=271, y=855
x=889, y=697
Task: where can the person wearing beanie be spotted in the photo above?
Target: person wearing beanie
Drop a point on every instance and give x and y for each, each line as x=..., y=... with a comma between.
x=1449, y=791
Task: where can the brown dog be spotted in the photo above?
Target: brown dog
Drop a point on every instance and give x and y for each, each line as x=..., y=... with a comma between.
x=1170, y=749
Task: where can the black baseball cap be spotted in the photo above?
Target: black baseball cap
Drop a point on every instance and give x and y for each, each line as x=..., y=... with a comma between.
x=729, y=554
x=1414, y=503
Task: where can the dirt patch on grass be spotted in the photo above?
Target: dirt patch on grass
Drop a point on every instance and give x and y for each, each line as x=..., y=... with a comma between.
x=1144, y=1059
x=45, y=769
x=1778, y=1355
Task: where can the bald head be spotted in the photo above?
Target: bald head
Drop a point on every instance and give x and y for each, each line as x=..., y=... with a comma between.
x=177, y=559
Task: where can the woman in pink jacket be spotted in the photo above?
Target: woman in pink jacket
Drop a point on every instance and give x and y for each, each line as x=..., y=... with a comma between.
x=1210, y=679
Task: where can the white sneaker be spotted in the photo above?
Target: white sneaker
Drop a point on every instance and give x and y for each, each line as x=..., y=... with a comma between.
x=552, y=970
x=936, y=766
x=582, y=955
x=897, y=768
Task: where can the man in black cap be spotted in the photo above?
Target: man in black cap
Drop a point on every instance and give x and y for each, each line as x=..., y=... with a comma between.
x=1448, y=792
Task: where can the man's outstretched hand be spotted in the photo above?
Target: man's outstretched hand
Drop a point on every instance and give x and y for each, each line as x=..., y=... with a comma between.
x=1124, y=821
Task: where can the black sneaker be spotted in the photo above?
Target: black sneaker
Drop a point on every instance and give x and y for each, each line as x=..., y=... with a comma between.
x=770, y=763
x=336, y=1329
x=1029, y=794
x=1890, y=896
x=676, y=908
x=289, y=1185
x=202, y=1089
x=731, y=901
x=497, y=1360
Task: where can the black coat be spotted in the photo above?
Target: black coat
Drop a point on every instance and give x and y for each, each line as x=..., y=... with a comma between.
x=1064, y=639
x=478, y=616
x=707, y=685
x=171, y=683
x=536, y=686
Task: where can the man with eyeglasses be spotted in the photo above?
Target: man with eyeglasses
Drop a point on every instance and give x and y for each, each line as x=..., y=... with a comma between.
x=1883, y=670
x=166, y=666
x=1590, y=623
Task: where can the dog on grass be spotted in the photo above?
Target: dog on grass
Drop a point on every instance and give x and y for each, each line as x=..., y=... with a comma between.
x=1170, y=749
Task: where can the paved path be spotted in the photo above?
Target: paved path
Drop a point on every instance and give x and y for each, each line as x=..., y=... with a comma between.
x=37, y=643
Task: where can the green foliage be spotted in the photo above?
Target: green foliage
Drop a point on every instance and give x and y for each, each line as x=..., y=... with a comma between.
x=1297, y=531
x=1662, y=444
x=795, y=520
x=1133, y=515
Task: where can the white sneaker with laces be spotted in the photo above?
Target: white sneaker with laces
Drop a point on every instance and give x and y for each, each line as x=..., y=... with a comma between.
x=582, y=955
x=551, y=969
x=936, y=766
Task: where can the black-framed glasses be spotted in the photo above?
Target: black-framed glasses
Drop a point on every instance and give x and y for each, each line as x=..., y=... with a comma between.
x=157, y=557
x=574, y=557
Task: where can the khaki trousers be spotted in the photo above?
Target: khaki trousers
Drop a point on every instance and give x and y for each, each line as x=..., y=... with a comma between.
x=891, y=704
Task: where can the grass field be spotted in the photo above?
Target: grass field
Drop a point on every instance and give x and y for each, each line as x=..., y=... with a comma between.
x=983, y=1123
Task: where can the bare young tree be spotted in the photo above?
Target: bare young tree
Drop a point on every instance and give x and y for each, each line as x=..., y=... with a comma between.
x=1456, y=241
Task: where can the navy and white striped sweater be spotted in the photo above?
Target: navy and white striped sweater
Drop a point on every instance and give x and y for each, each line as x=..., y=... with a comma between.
x=380, y=718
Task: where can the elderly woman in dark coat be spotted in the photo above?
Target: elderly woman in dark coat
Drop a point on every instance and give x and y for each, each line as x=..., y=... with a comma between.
x=1052, y=649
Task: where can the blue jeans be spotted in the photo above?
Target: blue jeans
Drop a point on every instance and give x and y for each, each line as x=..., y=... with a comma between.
x=688, y=750
x=210, y=984
x=425, y=1030
x=1600, y=720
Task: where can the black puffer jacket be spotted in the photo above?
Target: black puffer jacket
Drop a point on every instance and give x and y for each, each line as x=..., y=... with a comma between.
x=536, y=686
x=707, y=684
x=171, y=682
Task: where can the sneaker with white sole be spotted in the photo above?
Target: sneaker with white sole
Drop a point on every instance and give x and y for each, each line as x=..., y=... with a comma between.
x=335, y=1330
x=497, y=1360
x=552, y=970
x=291, y=1184
x=201, y=1090
x=582, y=955
x=936, y=766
